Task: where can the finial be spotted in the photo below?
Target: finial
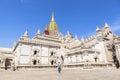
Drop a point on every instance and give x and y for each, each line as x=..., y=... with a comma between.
x=52, y=16
x=97, y=28
x=106, y=25
x=38, y=32
x=26, y=33
x=82, y=39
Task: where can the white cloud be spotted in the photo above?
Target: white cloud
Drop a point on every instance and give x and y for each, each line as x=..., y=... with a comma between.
x=115, y=28
x=116, y=25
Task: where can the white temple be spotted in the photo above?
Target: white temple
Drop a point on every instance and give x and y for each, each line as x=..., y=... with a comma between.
x=52, y=46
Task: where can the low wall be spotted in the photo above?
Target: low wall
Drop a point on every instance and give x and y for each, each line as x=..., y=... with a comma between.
x=91, y=66
x=82, y=66
x=36, y=66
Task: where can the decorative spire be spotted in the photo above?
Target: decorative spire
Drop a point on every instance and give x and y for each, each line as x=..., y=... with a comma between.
x=106, y=25
x=52, y=17
x=25, y=36
x=69, y=35
x=82, y=39
x=38, y=32
x=97, y=28
x=26, y=33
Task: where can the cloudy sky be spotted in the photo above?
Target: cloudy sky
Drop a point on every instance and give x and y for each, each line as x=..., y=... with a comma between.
x=80, y=17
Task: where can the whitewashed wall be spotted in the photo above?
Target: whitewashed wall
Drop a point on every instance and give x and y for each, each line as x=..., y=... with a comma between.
x=101, y=48
x=44, y=55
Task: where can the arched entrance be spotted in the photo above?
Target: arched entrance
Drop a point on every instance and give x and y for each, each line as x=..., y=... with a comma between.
x=96, y=59
x=35, y=52
x=52, y=62
x=7, y=63
x=34, y=62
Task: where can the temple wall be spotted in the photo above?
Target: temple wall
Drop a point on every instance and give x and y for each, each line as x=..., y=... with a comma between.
x=102, y=55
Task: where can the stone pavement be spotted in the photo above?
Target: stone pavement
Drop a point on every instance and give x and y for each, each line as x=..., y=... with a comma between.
x=67, y=74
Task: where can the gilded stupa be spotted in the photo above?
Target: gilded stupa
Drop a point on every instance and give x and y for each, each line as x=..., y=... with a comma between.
x=53, y=26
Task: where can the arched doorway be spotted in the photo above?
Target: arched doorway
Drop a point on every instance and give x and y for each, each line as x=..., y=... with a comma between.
x=96, y=59
x=52, y=53
x=7, y=63
x=35, y=52
x=34, y=62
x=52, y=62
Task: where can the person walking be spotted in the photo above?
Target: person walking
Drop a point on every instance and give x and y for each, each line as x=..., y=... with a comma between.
x=59, y=67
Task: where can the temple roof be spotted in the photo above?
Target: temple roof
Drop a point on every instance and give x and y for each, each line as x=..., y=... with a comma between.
x=5, y=50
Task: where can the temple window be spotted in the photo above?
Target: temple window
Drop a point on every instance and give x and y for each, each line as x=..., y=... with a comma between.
x=62, y=57
x=51, y=53
x=95, y=59
x=52, y=62
x=35, y=52
x=34, y=62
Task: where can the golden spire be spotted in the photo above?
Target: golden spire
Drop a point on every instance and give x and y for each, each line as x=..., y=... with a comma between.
x=52, y=17
x=53, y=25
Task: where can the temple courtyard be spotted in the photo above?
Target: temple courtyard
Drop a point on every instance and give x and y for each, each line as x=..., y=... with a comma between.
x=67, y=74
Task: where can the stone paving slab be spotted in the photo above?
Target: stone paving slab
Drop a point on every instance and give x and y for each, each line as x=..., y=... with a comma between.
x=67, y=74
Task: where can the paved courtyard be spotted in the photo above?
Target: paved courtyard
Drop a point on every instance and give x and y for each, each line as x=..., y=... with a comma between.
x=67, y=74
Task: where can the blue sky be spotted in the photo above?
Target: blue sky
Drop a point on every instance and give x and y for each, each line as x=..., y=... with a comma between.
x=80, y=17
